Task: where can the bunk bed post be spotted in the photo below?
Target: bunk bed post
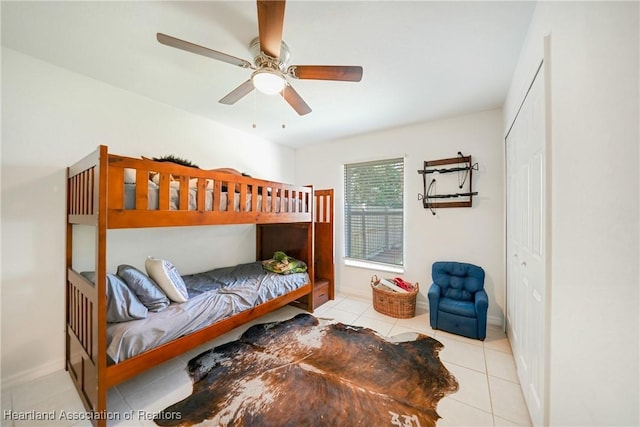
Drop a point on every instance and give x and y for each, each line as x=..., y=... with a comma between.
x=100, y=315
x=311, y=247
x=68, y=266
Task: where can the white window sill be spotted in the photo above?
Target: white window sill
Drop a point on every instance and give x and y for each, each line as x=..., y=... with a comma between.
x=373, y=266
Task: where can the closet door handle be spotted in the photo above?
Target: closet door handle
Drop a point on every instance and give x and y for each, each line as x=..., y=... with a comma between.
x=523, y=263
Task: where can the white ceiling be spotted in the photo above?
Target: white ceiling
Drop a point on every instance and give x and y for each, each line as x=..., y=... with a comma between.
x=422, y=60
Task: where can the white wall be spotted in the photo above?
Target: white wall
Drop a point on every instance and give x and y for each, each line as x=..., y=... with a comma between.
x=594, y=289
x=473, y=235
x=52, y=118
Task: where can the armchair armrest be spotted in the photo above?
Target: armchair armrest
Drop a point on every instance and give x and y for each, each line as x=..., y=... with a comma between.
x=434, y=292
x=434, y=301
x=482, y=304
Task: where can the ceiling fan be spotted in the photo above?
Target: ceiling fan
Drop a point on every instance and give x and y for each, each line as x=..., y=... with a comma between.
x=271, y=55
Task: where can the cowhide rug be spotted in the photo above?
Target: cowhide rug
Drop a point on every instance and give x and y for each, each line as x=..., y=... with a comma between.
x=304, y=372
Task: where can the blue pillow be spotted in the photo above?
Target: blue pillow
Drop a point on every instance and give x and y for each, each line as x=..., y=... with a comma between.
x=144, y=287
x=122, y=303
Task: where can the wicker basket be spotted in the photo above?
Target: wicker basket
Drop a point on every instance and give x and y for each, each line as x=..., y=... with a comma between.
x=395, y=304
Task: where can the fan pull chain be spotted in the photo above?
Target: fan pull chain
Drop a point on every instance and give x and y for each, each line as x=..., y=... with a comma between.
x=284, y=103
x=255, y=108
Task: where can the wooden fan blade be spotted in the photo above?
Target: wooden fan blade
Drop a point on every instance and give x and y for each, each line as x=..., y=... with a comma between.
x=236, y=94
x=270, y=22
x=326, y=72
x=295, y=100
x=201, y=50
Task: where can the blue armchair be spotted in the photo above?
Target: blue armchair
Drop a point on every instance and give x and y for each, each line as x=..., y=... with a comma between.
x=458, y=302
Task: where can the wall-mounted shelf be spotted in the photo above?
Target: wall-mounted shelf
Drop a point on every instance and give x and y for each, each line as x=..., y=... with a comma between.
x=456, y=190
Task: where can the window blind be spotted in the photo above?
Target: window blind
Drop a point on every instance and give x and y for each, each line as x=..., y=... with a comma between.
x=373, y=211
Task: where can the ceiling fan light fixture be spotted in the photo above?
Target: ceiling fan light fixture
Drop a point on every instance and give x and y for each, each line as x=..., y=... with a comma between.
x=268, y=81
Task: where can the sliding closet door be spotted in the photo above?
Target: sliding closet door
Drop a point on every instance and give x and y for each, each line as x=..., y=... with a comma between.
x=526, y=245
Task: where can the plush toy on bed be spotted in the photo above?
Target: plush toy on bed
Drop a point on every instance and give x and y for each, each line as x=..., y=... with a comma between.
x=173, y=159
x=281, y=263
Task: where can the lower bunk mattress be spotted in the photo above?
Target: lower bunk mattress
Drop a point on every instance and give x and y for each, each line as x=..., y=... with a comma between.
x=213, y=296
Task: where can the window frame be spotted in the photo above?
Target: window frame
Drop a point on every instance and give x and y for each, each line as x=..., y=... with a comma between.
x=370, y=264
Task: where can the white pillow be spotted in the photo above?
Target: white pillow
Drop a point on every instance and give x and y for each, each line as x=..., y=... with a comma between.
x=193, y=183
x=129, y=176
x=168, y=278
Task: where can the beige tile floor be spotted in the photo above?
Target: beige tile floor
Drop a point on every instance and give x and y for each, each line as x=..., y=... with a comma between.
x=489, y=393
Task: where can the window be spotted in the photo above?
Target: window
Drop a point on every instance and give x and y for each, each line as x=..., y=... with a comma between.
x=373, y=212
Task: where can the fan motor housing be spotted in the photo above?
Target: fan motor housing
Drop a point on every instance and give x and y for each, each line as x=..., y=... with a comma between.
x=262, y=60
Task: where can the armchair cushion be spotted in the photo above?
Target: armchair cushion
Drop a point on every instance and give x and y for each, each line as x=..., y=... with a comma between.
x=458, y=302
x=457, y=307
x=458, y=280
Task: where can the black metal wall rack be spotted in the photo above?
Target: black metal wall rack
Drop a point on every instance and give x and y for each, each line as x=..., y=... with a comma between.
x=460, y=164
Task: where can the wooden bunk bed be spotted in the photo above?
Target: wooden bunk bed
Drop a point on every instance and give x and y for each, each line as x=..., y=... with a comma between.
x=100, y=194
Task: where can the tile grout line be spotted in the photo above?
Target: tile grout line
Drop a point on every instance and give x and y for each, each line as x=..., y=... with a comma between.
x=486, y=367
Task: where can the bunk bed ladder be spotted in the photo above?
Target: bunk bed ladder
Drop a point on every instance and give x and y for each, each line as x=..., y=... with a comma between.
x=324, y=271
x=85, y=329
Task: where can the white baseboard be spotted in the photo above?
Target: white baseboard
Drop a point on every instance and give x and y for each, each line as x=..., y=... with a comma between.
x=495, y=321
x=32, y=374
